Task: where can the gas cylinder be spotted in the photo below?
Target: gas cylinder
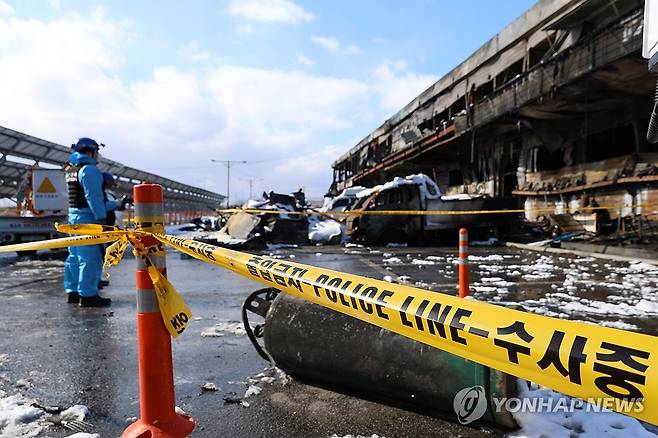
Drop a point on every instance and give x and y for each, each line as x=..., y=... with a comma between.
x=317, y=344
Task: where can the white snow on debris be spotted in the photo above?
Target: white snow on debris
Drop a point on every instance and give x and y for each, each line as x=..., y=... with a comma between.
x=252, y=390
x=20, y=419
x=579, y=423
x=324, y=230
x=619, y=324
x=428, y=188
x=275, y=246
x=644, y=267
x=392, y=260
x=374, y=435
x=209, y=386
x=497, y=281
x=271, y=375
x=223, y=328
x=76, y=412
x=489, y=258
x=648, y=307
x=422, y=262
x=84, y=435
x=435, y=258
x=23, y=383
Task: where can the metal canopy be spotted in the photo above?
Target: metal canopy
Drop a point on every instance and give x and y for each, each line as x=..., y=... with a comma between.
x=19, y=152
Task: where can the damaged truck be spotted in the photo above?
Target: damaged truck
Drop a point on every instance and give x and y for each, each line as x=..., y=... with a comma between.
x=374, y=218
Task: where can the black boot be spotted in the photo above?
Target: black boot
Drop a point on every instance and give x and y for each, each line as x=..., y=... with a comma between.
x=94, y=301
x=72, y=297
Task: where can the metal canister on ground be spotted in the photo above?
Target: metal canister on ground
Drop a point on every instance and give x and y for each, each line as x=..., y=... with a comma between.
x=315, y=343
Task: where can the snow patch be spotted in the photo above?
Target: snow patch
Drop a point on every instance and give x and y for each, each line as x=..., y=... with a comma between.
x=275, y=246
x=324, y=230
x=572, y=424
x=76, y=412
x=643, y=267
x=223, y=328
x=252, y=390
x=490, y=258
x=209, y=386
x=19, y=416
x=357, y=436
x=374, y=435
x=392, y=260
x=427, y=186
x=422, y=262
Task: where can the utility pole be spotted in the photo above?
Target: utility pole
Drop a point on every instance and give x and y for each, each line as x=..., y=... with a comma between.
x=251, y=185
x=228, y=176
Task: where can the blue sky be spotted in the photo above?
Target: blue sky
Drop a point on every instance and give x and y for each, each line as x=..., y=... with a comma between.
x=287, y=85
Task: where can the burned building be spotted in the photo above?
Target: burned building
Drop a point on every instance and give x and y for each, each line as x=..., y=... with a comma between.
x=552, y=111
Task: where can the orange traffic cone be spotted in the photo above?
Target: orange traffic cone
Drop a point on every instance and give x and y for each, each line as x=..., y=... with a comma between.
x=158, y=416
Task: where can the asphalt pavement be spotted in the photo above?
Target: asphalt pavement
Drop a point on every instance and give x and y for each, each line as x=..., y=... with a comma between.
x=62, y=355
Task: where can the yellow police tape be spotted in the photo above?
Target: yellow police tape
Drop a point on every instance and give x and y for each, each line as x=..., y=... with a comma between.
x=422, y=212
x=578, y=359
x=175, y=312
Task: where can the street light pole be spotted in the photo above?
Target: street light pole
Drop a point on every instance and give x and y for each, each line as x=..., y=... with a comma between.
x=228, y=176
x=251, y=185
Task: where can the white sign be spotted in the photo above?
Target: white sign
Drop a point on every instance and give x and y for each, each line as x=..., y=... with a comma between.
x=49, y=191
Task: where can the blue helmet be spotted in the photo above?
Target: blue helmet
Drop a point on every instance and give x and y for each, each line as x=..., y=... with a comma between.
x=108, y=179
x=85, y=144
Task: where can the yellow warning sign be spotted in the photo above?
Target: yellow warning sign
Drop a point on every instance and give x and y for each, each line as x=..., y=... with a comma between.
x=46, y=186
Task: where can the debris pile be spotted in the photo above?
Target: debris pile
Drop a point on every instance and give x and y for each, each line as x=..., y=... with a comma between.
x=280, y=219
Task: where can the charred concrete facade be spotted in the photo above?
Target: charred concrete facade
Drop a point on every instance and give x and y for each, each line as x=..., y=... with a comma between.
x=552, y=111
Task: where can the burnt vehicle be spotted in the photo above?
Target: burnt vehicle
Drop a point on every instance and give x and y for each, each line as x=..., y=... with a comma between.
x=420, y=194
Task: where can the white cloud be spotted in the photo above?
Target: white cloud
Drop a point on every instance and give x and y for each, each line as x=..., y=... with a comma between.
x=63, y=73
x=290, y=104
x=310, y=169
x=269, y=11
x=332, y=45
x=66, y=82
x=55, y=4
x=6, y=9
x=192, y=52
x=352, y=50
x=396, y=86
x=303, y=60
x=329, y=43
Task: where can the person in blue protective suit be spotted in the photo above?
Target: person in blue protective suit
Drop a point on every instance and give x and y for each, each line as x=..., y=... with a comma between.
x=83, y=266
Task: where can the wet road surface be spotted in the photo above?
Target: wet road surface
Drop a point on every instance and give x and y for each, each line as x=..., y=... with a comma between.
x=62, y=355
